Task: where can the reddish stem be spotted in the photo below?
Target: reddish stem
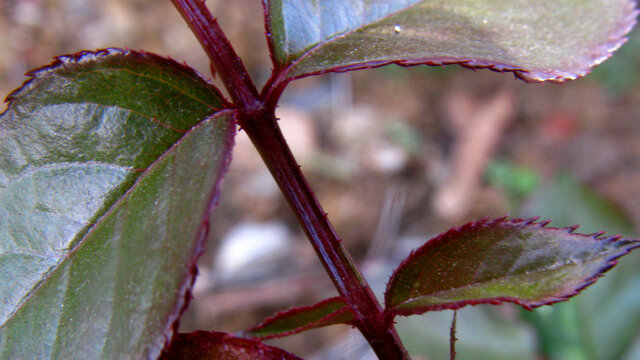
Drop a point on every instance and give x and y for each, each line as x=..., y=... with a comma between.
x=228, y=65
x=266, y=136
x=256, y=117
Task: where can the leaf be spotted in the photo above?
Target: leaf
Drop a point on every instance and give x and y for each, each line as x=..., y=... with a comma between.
x=108, y=174
x=498, y=261
x=328, y=312
x=600, y=324
x=538, y=40
x=203, y=345
x=592, y=325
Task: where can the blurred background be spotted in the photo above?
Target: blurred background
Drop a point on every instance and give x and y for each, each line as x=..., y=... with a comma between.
x=395, y=156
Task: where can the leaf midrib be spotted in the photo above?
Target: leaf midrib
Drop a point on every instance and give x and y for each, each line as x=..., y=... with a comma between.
x=508, y=277
x=83, y=235
x=208, y=86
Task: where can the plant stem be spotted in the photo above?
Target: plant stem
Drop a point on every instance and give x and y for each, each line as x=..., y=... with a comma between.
x=256, y=116
x=232, y=72
x=266, y=136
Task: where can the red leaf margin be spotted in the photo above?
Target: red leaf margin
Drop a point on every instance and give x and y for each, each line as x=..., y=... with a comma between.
x=390, y=312
x=84, y=56
x=183, y=295
x=324, y=321
x=599, y=54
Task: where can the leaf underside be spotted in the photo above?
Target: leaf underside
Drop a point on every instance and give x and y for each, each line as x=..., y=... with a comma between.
x=538, y=40
x=204, y=345
x=328, y=312
x=501, y=260
x=109, y=167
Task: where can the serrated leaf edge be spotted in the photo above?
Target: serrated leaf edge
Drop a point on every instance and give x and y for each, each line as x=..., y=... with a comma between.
x=391, y=312
x=184, y=293
x=86, y=56
x=599, y=53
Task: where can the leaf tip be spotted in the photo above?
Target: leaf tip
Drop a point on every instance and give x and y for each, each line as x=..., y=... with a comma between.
x=405, y=294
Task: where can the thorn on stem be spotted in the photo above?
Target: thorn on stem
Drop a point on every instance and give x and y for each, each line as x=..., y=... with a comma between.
x=452, y=336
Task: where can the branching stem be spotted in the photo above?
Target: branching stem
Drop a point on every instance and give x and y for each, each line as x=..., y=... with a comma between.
x=256, y=117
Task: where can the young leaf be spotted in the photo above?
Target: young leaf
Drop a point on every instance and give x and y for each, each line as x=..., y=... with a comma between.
x=204, y=345
x=328, y=312
x=496, y=261
x=536, y=39
x=107, y=178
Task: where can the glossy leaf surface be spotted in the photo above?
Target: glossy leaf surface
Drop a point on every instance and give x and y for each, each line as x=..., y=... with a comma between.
x=537, y=39
x=328, y=312
x=501, y=261
x=107, y=178
x=204, y=345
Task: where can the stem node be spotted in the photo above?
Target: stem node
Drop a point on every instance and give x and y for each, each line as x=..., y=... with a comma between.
x=256, y=116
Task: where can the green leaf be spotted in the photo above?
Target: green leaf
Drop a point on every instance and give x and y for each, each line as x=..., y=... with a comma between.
x=108, y=174
x=211, y=345
x=498, y=261
x=536, y=39
x=328, y=312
